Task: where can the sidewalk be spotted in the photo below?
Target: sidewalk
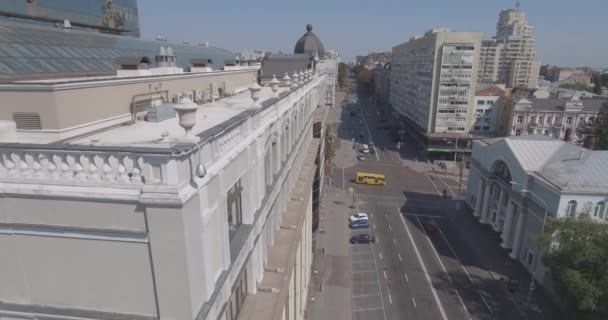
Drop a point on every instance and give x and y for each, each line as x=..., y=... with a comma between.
x=485, y=243
x=330, y=293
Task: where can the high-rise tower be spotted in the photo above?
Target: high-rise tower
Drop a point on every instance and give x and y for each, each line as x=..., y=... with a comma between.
x=510, y=57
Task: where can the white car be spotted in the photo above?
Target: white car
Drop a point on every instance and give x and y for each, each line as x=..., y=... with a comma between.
x=358, y=216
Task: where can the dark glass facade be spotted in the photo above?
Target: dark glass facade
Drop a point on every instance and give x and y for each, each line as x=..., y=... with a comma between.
x=31, y=51
x=111, y=16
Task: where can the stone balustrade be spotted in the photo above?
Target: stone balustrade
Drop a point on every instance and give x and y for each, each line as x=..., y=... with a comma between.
x=72, y=166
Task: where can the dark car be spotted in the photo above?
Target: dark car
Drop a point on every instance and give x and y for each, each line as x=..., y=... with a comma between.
x=362, y=238
x=429, y=226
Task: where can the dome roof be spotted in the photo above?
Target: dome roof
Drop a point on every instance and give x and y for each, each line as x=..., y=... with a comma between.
x=309, y=43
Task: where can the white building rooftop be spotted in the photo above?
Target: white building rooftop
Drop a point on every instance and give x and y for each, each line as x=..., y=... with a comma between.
x=150, y=134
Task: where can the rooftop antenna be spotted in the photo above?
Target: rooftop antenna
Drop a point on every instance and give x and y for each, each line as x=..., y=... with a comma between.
x=517, y=5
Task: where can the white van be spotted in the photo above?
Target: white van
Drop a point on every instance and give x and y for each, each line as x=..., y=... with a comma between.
x=365, y=148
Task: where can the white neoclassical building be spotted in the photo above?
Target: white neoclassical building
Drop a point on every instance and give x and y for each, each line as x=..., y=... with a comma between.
x=161, y=194
x=516, y=182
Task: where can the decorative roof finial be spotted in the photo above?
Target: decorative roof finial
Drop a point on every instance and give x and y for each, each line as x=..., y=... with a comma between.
x=309, y=27
x=517, y=5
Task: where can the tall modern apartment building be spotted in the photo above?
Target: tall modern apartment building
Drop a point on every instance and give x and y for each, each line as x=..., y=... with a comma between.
x=509, y=57
x=433, y=81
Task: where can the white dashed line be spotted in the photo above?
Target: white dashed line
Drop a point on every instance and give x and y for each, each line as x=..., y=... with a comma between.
x=399, y=256
x=374, y=226
x=390, y=299
x=384, y=274
x=462, y=303
x=414, y=302
x=380, y=255
x=389, y=228
x=406, y=278
x=395, y=242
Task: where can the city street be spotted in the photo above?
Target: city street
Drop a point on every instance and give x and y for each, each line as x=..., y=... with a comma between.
x=409, y=273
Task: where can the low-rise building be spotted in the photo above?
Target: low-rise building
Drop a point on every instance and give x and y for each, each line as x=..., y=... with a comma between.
x=487, y=108
x=557, y=118
x=516, y=182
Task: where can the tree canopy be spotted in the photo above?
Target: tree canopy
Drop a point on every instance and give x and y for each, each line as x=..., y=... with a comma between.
x=577, y=86
x=578, y=261
x=342, y=74
x=597, y=85
x=597, y=127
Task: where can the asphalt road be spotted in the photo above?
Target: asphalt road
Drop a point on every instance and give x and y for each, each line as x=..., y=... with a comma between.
x=409, y=273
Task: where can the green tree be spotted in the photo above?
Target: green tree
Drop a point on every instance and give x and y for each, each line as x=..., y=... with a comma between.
x=364, y=77
x=543, y=70
x=576, y=86
x=578, y=264
x=597, y=85
x=597, y=127
x=342, y=74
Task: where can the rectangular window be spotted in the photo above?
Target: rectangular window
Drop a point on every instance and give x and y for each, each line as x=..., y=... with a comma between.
x=486, y=128
x=477, y=128
x=520, y=119
x=530, y=131
x=548, y=120
x=235, y=209
x=569, y=120
x=518, y=132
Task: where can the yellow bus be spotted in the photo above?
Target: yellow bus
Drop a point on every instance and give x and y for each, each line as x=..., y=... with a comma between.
x=371, y=178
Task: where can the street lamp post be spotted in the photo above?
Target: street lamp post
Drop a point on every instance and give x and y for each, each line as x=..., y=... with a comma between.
x=535, y=264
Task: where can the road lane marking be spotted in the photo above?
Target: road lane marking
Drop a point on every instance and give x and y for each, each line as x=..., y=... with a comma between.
x=368, y=309
x=390, y=299
x=395, y=242
x=398, y=255
x=453, y=252
x=380, y=255
x=389, y=228
x=414, y=302
x=447, y=185
x=367, y=295
x=376, y=268
x=462, y=303
x=486, y=303
x=434, y=251
x=384, y=274
x=406, y=278
x=374, y=226
x=426, y=274
x=364, y=271
x=434, y=185
x=367, y=282
x=363, y=261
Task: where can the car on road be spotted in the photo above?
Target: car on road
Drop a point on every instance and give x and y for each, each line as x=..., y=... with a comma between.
x=359, y=224
x=365, y=148
x=360, y=157
x=362, y=238
x=360, y=121
x=429, y=225
x=358, y=216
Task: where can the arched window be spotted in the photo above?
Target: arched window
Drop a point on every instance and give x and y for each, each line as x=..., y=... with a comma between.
x=600, y=207
x=571, y=210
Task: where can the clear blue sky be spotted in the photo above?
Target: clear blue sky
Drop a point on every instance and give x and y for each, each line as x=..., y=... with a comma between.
x=568, y=33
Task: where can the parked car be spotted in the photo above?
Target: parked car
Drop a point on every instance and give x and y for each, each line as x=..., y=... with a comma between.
x=358, y=216
x=429, y=225
x=362, y=238
x=360, y=157
x=359, y=224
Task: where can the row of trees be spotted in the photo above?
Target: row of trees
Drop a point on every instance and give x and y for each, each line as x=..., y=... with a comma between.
x=364, y=77
x=342, y=74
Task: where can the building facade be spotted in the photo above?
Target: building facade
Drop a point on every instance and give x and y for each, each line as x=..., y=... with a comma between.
x=109, y=16
x=381, y=80
x=161, y=192
x=433, y=81
x=516, y=182
x=487, y=108
x=510, y=56
x=557, y=118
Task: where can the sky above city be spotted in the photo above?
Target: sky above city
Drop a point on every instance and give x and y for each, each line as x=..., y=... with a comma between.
x=568, y=33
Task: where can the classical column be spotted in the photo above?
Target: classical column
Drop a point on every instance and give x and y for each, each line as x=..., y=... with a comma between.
x=479, y=200
x=499, y=208
x=519, y=230
x=507, y=226
x=485, y=209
